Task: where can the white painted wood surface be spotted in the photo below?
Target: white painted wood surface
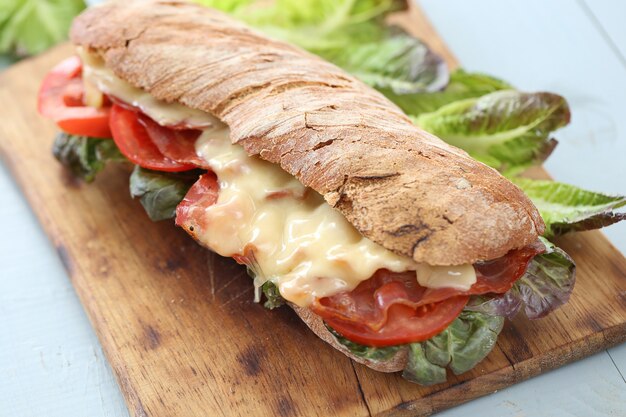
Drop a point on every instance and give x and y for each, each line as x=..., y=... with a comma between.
x=50, y=360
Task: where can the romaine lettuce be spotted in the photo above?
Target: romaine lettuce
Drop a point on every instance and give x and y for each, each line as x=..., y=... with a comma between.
x=508, y=130
x=462, y=85
x=397, y=62
x=30, y=26
x=566, y=208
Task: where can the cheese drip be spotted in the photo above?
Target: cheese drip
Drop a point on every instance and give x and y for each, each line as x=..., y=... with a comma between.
x=300, y=243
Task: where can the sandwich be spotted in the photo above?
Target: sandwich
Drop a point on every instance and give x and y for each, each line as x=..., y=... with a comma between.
x=379, y=235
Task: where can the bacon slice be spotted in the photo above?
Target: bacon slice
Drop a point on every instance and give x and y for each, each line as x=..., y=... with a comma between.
x=369, y=303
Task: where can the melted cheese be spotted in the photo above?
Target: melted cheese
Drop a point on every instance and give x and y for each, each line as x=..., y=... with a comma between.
x=300, y=243
x=98, y=78
x=460, y=277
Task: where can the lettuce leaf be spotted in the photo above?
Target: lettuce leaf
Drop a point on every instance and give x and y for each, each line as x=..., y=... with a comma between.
x=229, y=6
x=30, y=26
x=566, y=208
x=273, y=299
x=466, y=342
x=508, y=130
x=397, y=62
x=365, y=352
x=83, y=156
x=352, y=34
x=420, y=370
x=462, y=85
x=160, y=192
x=546, y=286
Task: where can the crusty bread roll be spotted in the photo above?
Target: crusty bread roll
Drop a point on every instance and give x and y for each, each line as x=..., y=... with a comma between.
x=316, y=324
x=398, y=185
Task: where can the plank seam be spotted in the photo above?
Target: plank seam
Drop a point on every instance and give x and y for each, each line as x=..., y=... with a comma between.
x=506, y=356
x=616, y=367
x=361, y=392
x=603, y=33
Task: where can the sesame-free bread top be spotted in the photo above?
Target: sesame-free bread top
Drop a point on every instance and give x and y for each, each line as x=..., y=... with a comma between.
x=398, y=185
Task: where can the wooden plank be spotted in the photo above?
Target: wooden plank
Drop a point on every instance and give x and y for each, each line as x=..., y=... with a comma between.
x=177, y=324
x=184, y=338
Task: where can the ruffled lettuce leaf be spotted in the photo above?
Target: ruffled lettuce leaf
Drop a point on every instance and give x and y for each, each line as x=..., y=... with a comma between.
x=567, y=208
x=547, y=285
x=397, y=62
x=160, y=192
x=30, y=26
x=466, y=342
x=353, y=35
x=420, y=370
x=83, y=156
x=462, y=85
x=508, y=130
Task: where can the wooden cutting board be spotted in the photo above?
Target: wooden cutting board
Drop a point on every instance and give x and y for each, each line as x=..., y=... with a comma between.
x=178, y=324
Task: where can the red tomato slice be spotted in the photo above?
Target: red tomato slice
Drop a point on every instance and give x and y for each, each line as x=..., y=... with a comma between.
x=369, y=311
x=61, y=99
x=201, y=195
x=176, y=144
x=133, y=140
x=404, y=324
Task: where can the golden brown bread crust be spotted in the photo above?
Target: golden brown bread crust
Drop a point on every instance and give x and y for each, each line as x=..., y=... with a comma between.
x=400, y=186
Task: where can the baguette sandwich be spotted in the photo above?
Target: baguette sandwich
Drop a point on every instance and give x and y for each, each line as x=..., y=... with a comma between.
x=375, y=232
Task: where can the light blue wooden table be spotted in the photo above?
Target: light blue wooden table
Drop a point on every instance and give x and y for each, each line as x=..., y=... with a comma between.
x=51, y=363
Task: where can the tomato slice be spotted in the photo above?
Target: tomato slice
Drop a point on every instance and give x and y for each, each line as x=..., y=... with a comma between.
x=371, y=309
x=404, y=324
x=176, y=144
x=201, y=195
x=61, y=99
x=132, y=139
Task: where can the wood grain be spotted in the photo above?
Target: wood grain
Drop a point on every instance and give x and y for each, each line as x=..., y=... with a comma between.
x=184, y=338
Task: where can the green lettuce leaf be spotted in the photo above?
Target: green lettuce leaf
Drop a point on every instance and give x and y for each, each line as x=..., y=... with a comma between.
x=229, y=6
x=160, y=192
x=366, y=352
x=353, y=35
x=397, y=62
x=273, y=299
x=546, y=285
x=467, y=341
x=566, y=208
x=462, y=85
x=83, y=156
x=31, y=26
x=508, y=130
x=420, y=370
x=321, y=24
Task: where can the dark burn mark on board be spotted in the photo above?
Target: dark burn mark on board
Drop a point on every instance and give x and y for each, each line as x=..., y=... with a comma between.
x=285, y=407
x=151, y=337
x=250, y=359
x=65, y=258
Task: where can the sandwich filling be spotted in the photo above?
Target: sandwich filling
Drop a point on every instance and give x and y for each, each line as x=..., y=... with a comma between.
x=286, y=232
x=249, y=209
